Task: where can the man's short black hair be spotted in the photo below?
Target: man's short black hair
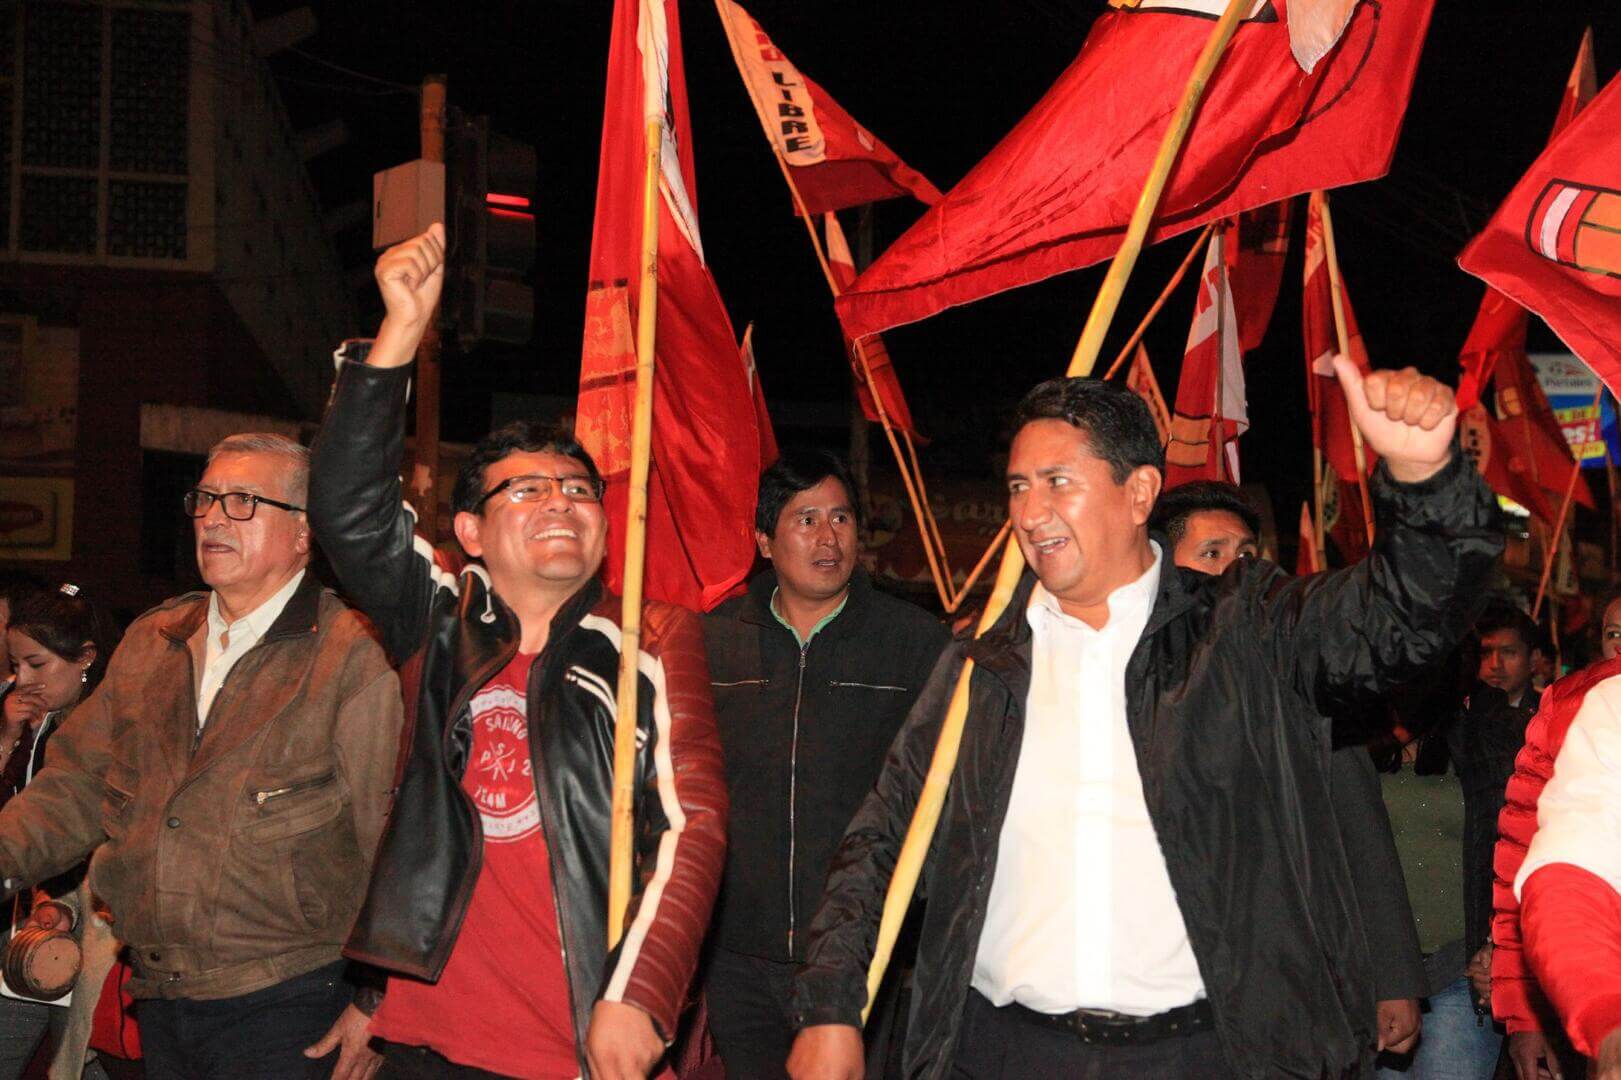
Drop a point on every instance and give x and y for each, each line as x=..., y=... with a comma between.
x=1118, y=427
x=518, y=437
x=1499, y=617
x=795, y=470
x=1174, y=508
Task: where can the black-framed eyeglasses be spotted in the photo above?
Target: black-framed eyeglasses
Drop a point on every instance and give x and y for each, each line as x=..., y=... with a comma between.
x=535, y=487
x=238, y=505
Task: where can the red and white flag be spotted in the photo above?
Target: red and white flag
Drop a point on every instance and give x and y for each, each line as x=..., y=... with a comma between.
x=762, y=416
x=1058, y=191
x=1210, y=408
x=1343, y=513
x=706, y=429
x=1140, y=380
x=1499, y=328
x=1554, y=246
x=884, y=379
x=1528, y=423
x=835, y=161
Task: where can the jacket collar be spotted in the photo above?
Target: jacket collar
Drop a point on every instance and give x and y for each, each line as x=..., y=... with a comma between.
x=300, y=616
x=756, y=608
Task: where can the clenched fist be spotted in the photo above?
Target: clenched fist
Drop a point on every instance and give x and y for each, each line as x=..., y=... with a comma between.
x=1406, y=418
x=410, y=276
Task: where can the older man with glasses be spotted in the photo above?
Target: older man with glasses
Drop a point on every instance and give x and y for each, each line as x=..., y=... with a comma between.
x=490, y=898
x=231, y=774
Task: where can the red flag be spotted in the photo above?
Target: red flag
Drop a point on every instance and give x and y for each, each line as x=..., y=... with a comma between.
x=835, y=161
x=1505, y=471
x=1140, y=380
x=706, y=446
x=1306, y=561
x=1554, y=245
x=1255, y=265
x=762, y=416
x=1343, y=514
x=1210, y=408
x=843, y=265
x=1534, y=432
x=1057, y=192
x=1499, y=328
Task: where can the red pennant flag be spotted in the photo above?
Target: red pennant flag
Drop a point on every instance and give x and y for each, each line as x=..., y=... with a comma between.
x=1533, y=431
x=706, y=446
x=1307, y=562
x=1210, y=407
x=1499, y=328
x=835, y=161
x=1057, y=192
x=1140, y=380
x=1255, y=265
x=843, y=265
x=1343, y=516
x=1554, y=245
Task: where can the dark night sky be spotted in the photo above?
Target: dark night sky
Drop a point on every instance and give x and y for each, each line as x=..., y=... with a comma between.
x=941, y=83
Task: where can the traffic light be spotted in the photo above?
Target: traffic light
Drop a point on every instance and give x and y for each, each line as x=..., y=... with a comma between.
x=490, y=197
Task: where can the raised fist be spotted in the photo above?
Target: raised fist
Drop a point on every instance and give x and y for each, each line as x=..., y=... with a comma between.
x=410, y=276
x=1406, y=418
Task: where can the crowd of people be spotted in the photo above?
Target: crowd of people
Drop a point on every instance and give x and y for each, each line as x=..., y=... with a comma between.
x=1208, y=819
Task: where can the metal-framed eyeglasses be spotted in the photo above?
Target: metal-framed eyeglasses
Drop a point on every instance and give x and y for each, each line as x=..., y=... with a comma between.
x=238, y=505
x=534, y=487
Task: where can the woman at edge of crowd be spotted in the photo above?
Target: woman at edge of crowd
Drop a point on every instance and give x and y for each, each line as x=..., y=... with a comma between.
x=59, y=642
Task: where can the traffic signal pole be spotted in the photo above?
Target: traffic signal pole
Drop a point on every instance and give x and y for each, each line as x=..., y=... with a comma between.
x=425, y=473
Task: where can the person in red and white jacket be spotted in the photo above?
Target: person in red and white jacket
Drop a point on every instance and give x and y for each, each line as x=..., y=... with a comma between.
x=1517, y=1001
x=1558, y=924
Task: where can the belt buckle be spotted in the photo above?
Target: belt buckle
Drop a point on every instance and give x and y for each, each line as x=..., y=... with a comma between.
x=1097, y=1028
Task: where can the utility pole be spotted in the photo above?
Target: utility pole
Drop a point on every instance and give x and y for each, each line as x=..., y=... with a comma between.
x=425, y=474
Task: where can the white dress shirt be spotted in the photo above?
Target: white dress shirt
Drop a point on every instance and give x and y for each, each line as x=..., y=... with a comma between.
x=1081, y=913
x=1579, y=813
x=227, y=642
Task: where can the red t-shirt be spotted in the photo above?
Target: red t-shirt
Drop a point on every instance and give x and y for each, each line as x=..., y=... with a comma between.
x=502, y=1003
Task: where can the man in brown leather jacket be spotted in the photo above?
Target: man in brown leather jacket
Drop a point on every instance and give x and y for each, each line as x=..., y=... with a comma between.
x=231, y=775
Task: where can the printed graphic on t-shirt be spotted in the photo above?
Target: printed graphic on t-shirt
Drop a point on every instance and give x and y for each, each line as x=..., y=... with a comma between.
x=499, y=774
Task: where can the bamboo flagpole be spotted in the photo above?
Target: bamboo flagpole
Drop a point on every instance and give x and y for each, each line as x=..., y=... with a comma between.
x=1551, y=552
x=630, y=629
x=1343, y=336
x=919, y=834
x=1154, y=308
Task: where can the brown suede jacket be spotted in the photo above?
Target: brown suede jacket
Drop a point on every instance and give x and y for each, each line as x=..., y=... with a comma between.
x=238, y=860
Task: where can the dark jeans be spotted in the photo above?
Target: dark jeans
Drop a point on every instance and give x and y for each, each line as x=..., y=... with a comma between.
x=257, y=1035
x=401, y=1062
x=997, y=1045
x=750, y=1013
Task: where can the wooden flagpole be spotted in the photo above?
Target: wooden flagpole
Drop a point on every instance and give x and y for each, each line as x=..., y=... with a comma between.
x=1552, y=552
x=1154, y=309
x=630, y=628
x=919, y=834
x=1343, y=337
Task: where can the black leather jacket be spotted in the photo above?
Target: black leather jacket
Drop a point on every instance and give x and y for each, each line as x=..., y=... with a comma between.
x=805, y=733
x=1226, y=696
x=452, y=637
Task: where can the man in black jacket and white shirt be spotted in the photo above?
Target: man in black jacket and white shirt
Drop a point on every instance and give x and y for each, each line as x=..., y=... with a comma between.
x=1126, y=879
x=813, y=672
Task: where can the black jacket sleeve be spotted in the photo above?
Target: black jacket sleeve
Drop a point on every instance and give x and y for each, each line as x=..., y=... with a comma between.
x=1347, y=637
x=832, y=986
x=357, y=511
x=1381, y=890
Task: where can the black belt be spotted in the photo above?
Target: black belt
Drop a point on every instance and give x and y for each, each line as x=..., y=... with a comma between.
x=1098, y=1027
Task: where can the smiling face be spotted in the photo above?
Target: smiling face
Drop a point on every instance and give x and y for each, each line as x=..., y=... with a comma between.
x=1083, y=533
x=1610, y=630
x=55, y=680
x=248, y=561
x=814, y=546
x=553, y=543
x=1212, y=540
